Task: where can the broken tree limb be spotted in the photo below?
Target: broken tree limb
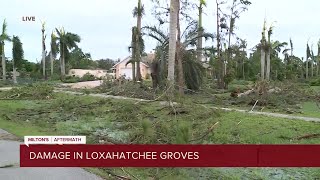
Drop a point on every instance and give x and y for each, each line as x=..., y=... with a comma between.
x=254, y=105
x=206, y=134
x=246, y=93
x=308, y=136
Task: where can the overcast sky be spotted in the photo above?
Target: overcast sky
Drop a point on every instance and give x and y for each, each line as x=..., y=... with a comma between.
x=105, y=25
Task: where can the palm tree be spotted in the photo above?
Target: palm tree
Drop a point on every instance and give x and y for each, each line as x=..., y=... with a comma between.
x=174, y=4
x=138, y=12
x=267, y=47
x=3, y=38
x=53, y=50
x=67, y=41
x=200, y=30
x=263, y=46
x=192, y=67
x=17, y=56
x=43, y=50
x=308, y=55
x=132, y=49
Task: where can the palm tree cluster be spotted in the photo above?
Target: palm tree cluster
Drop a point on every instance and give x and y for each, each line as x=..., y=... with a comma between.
x=61, y=42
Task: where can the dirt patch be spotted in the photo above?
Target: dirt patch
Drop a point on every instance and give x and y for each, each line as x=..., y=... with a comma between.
x=83, y=85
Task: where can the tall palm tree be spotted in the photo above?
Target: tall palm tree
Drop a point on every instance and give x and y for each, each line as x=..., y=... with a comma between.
x=17, y=56
x=132, y=49
x=174, y=4
x=138, y=12
x=54, y=49
x=263, y=46
x=43, y=50
x=308, y=55
x=67, y=41
x=200, y=30
x=180, y=77
x=3, y=38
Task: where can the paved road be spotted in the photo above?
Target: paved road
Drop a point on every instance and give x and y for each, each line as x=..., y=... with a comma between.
x=9, y=156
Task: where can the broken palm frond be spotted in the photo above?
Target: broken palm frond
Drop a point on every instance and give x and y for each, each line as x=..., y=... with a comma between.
x=308, y=136
x=206, y=134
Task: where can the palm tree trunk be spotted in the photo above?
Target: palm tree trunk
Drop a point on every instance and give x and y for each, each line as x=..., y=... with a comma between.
x=307, y=69
x=3, y=64
x=200, y=33
x=138, y=53
x=62, y=60
x=318, y=64
x=262, y=61
x=219, y=59
x=43, y=64
x=172, y=41
x=43, y=56
x=312, y=67
x=51, y=63
x=133, y=64
x=243, y=73
x=14, y=73
x=178, y=52
x=268, y=64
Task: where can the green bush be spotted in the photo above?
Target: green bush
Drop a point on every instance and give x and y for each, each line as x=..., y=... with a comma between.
x=71, y=79
x=88, y=77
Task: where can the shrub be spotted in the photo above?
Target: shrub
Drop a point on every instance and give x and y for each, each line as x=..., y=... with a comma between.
x=71, y=79
x=88, y=77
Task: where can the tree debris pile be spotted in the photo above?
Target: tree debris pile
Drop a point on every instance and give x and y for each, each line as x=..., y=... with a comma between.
x=127, y=89
x=36, y=91
x=282, y=97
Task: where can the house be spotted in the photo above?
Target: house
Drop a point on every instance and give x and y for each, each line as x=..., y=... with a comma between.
x=123, y=68
x=99, y=73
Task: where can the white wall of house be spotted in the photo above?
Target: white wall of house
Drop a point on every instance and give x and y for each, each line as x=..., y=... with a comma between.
x=82, y=72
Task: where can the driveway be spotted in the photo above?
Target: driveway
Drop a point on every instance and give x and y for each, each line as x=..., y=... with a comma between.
x=10, y=170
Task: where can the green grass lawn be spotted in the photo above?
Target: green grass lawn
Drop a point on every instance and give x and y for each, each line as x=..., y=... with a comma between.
x=123, y=121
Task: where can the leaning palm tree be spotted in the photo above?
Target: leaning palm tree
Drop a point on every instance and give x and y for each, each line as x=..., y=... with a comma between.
x=17, y=56
x=3, y=38
x=66, y=41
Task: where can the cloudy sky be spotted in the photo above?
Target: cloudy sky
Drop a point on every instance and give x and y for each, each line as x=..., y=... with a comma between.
x=105, y=25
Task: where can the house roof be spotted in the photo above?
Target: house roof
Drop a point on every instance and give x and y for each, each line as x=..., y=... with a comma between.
x=145, y=60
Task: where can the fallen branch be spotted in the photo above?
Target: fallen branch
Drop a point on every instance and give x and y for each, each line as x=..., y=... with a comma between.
x=118, y=176
x=254, y=105
x=129, y=174
x=206, y=134
x=246, y=93
x=308, y=136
